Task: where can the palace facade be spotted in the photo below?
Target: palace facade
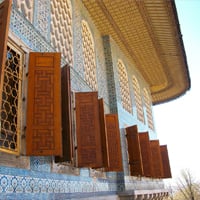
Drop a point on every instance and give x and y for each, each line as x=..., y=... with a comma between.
x=79, y=79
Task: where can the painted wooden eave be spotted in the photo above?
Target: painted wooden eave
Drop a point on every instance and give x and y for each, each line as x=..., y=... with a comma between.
x=148, y=32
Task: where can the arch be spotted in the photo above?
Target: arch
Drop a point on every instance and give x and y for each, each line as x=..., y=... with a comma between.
x=147, y=102
x=124, y=87
x=89, y=56
x=61, y=28
x=138, y=99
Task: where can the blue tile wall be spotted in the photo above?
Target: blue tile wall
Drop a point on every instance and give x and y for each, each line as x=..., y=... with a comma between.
x=15, y=181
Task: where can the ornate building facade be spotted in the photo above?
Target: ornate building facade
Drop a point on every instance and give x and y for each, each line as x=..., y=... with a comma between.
x=79, y=79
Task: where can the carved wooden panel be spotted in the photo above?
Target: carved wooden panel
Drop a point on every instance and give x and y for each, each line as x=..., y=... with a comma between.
x=146, y=153
x=43, y=133
x=156, y=159
x=134, y=152
x=5, y=10
x=89, y=149
x=104, y=139
x=114, y=144
x=67, y=141
x=165, y=162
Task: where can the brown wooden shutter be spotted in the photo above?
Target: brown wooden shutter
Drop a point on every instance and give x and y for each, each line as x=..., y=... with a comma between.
x=67, y=141
x=134, y=152
x=43, y=133
x=104, y=139
x=114, y=144
x=156, y=159
x=89, y=149
x=5, y=10
x=165, y=162
x=146, y=153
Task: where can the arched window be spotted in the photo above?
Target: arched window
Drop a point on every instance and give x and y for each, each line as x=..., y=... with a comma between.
x=61, y=28
x=138, y=99
x=124, y=87
x=89, y=56
x=25, y=7
x=147, y=102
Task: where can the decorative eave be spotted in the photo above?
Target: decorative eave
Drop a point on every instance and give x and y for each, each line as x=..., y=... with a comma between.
x=148, y=32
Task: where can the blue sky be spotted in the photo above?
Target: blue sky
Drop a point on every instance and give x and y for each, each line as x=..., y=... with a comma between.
x=178, y=122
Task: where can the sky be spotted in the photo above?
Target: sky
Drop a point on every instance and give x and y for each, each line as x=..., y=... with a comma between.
x=178, y=122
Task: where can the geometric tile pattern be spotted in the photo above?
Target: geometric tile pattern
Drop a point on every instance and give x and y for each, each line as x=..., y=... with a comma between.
x=41, y=163
x=28, y=34
x=41, y=17
x=25, y=7
x=37, y=182
x=110, y=75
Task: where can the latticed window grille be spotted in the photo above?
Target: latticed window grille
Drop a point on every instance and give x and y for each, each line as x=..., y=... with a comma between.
x=61, y=28
x=26, y=7
x=89, y=56
x=124, y=87
x=147, y=102
x=10, y=109
x=138, y=99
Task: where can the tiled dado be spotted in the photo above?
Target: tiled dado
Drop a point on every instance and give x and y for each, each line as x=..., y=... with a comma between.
x=22, y=181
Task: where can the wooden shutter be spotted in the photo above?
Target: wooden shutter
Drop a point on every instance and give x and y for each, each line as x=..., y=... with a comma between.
x=156, y=159
x=5, y=10
x=43, y=133
x=146, y=153
x=89, y=149
x=134, y=152
x=165, y=162
x=104, y=139
x=114, y=144
x=67, y=141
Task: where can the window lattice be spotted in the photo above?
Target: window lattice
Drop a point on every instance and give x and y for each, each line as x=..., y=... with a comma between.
x=26, y=7
x=147, y=102
x=89, y=56
x=10, y=105
x=138, y=99
x=124, y=87
x=61, y=28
